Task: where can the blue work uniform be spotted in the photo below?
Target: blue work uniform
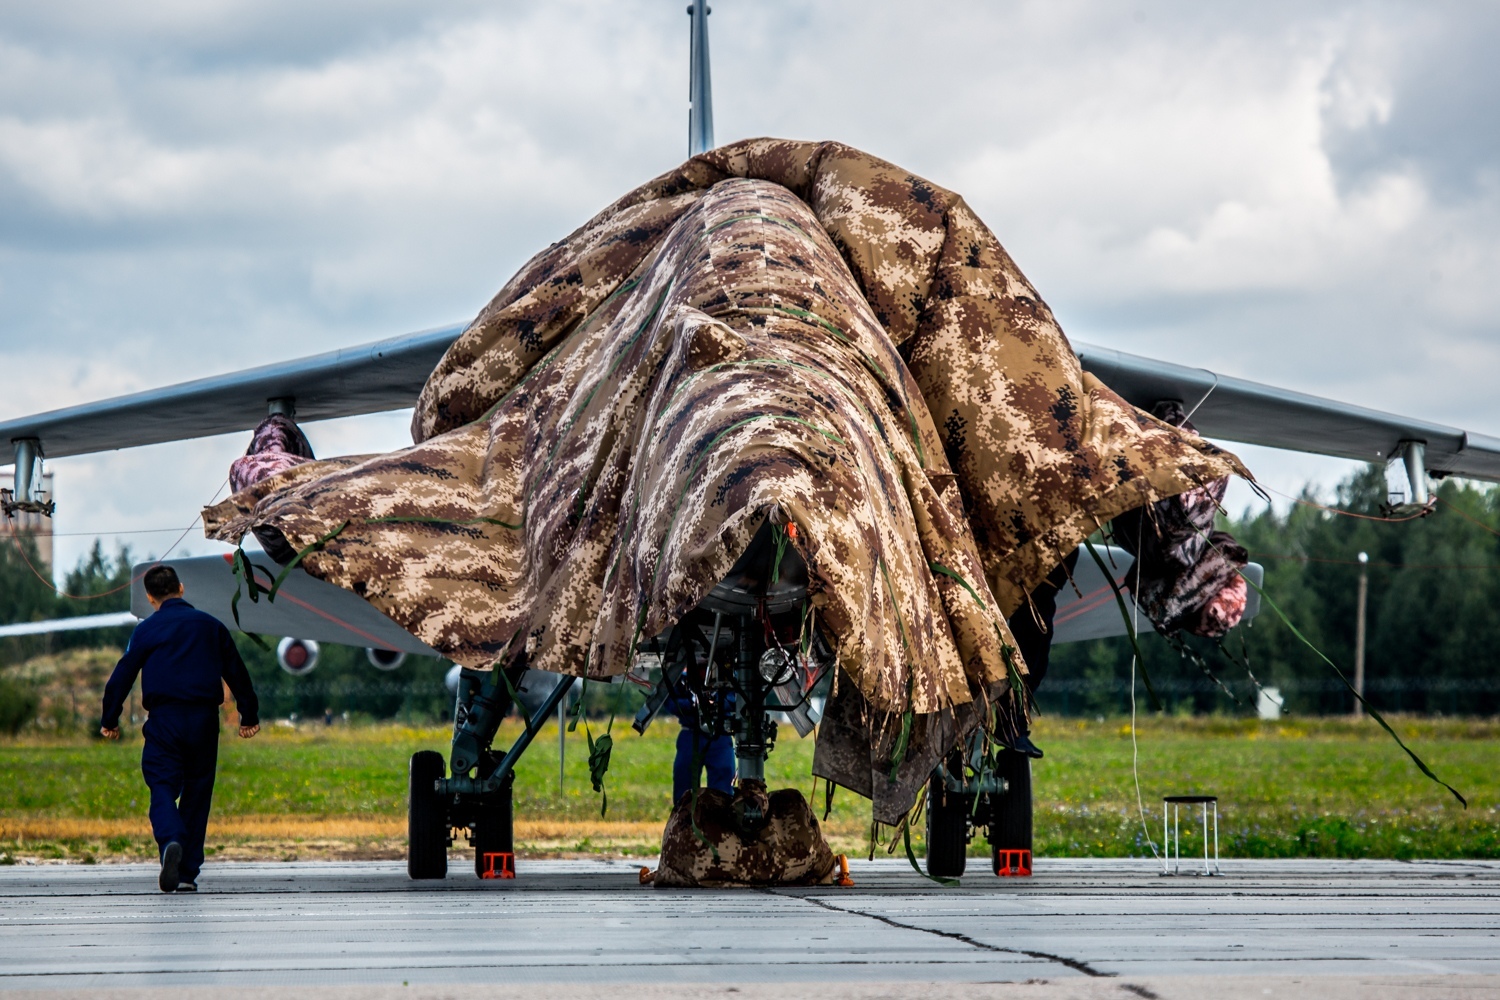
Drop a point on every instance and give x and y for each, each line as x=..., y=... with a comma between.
x=184, y=658
x=712, y=753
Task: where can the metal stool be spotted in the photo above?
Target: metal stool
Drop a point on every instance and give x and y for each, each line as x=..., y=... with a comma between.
x=1171, y=861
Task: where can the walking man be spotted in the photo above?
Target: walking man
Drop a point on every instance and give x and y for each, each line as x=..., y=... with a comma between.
x=184, y=656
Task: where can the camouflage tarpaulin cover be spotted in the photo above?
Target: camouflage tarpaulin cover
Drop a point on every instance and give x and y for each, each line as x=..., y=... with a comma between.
x=776, y=328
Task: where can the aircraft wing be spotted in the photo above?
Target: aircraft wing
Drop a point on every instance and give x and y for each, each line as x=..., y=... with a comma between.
x=370, y=378
x=305, y=607
x=112, y=620
x=311, y=609
x=1236, y=409
x=388, y=375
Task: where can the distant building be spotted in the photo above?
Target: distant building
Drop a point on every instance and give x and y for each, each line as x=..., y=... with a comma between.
x=37, y=526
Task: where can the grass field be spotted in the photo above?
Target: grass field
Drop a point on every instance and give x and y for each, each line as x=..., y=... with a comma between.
x=1300, y=788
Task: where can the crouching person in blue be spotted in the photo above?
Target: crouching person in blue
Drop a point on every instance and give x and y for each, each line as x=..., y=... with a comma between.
x=182, y=656
x=697, y=750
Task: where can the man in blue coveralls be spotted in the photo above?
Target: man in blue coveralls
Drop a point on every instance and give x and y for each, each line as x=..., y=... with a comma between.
x=184, y=657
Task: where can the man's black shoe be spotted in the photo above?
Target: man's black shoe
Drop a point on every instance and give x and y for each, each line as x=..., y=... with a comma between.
x=1022, y=744
x=187, y=886
x=171, y=859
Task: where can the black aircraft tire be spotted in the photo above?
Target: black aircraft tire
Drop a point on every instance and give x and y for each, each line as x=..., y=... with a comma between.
x=947, y=831
x=426, y=819
x=1010, y=819
x=494, y=824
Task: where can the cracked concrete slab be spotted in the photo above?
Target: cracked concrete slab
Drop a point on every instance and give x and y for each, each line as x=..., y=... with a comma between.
x=1081, y=928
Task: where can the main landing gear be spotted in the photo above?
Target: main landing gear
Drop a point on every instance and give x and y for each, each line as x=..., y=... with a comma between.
x=972, y=789
x=477, y=798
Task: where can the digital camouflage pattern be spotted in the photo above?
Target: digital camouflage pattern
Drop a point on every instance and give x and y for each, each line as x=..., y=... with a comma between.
x=788, y=850
x=775, y=329
x=608, y=492
x=276, y=445
x=1186, y=575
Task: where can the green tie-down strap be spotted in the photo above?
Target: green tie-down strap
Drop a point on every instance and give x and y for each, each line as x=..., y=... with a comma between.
x=244, y=573
x=599, y=751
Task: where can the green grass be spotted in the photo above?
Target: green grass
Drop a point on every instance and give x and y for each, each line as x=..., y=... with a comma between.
x=356, y=771
x=1304, y=788
x=1308, y=788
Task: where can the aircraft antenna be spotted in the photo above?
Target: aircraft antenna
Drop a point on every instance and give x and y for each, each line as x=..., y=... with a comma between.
x=700, y=82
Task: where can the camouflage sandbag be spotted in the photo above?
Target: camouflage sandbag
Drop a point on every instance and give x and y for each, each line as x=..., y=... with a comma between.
x=788, y=850
x=795, y=331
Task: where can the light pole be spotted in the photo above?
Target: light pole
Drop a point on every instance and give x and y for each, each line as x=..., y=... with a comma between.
x=1359, y=634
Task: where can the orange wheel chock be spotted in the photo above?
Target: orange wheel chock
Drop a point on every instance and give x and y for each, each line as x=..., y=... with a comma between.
x=500, y=864
x=1012, y=862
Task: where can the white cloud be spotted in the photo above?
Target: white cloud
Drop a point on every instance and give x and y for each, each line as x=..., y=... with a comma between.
x=1297, y=193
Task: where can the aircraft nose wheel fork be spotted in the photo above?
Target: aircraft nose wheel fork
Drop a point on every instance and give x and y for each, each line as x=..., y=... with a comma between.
x=754, y=734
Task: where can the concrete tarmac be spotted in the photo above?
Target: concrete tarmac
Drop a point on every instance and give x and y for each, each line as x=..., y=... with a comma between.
x=1081, y=928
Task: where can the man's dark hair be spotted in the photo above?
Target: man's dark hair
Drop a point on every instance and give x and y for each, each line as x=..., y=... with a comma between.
x=162, y=582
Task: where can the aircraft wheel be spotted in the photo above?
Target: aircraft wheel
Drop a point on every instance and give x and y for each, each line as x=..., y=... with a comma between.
x=947, y=830
x=1010, y=816
x=494, y=824
x=426, y=819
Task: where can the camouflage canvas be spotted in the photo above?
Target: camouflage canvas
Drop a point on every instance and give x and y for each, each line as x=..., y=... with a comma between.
x=783, y=330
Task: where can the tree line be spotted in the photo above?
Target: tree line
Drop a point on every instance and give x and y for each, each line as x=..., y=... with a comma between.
x=1433, y=607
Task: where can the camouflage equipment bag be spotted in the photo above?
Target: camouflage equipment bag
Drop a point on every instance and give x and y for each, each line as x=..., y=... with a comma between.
x=788, y=849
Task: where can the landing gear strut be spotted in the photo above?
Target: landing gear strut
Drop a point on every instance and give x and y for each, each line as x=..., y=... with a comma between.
x=743, y=647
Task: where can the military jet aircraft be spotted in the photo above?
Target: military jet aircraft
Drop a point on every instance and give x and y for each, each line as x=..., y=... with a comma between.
x=388, y=375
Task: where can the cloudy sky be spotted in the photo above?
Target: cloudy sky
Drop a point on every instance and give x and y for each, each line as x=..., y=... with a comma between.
x=1301, y=193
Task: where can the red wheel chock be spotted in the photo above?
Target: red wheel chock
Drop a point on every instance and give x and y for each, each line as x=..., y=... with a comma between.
x=1012, y=862
x=501, y=864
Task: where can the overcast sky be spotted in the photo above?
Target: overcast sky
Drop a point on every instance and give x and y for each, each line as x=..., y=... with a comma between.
x=1300, y=193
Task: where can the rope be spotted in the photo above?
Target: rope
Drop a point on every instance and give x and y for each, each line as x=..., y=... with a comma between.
x=1465, y=514
x=1421, y=764
x=1131, y=632
x=1349, y=513
x=1210, y=392
x=1135, y=749
x=16, y=538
